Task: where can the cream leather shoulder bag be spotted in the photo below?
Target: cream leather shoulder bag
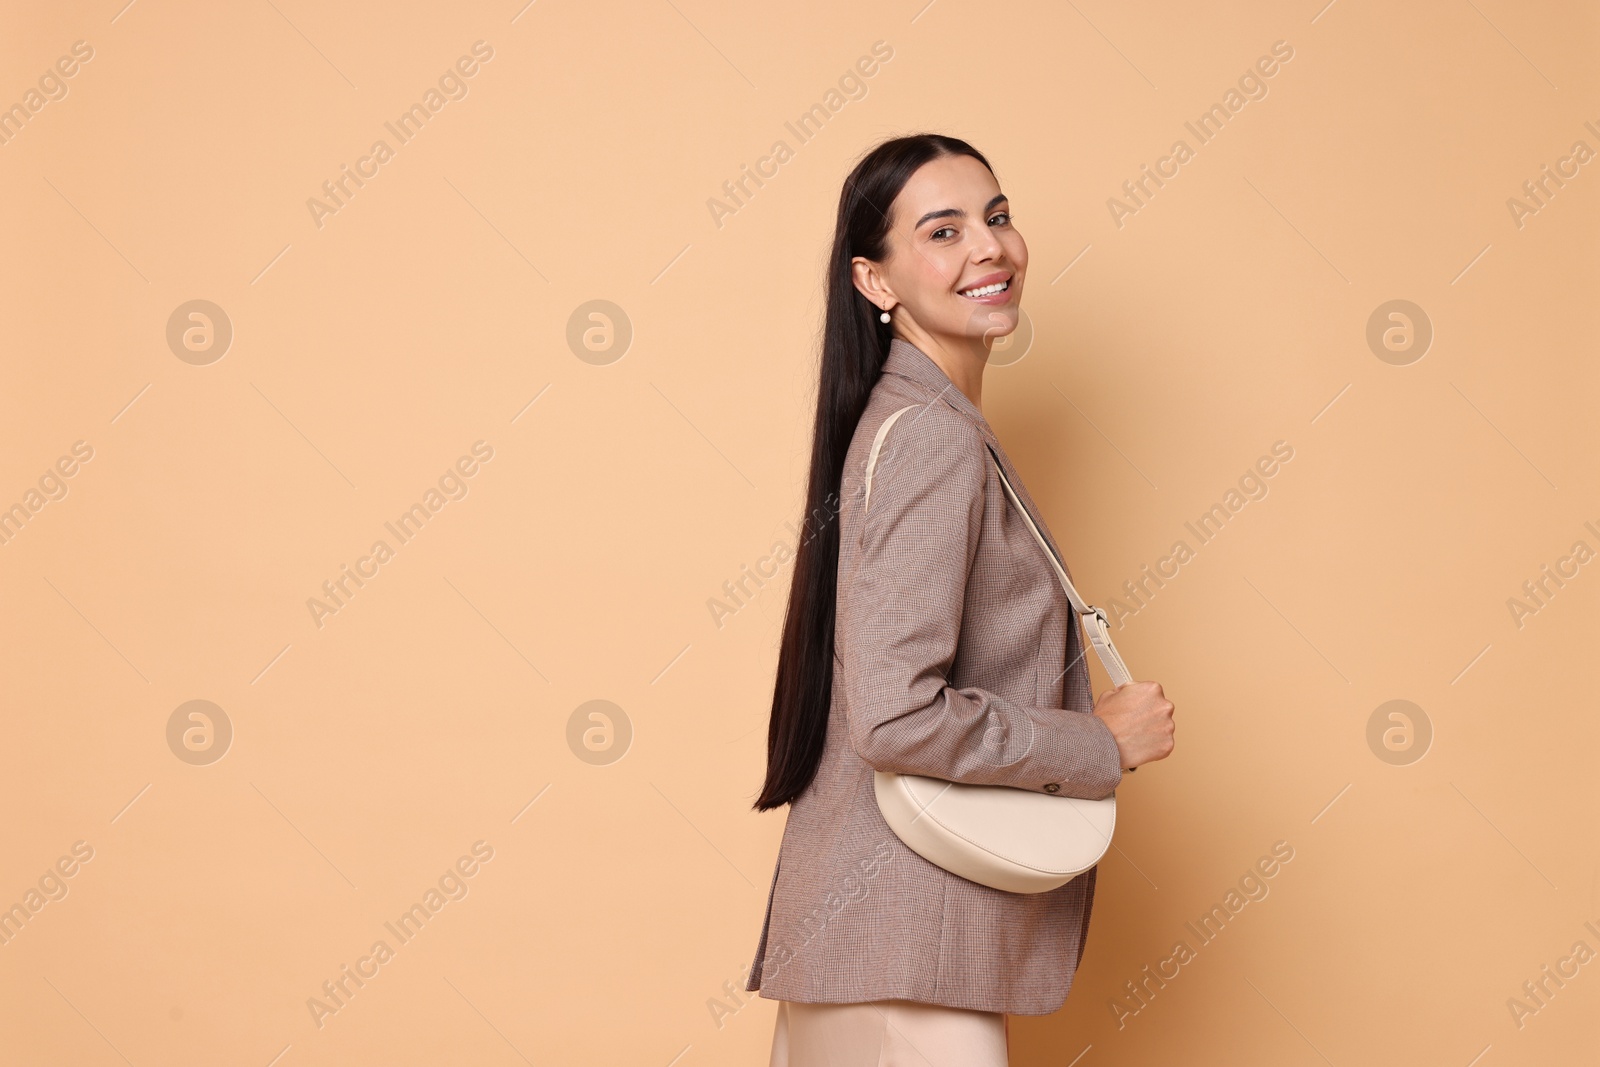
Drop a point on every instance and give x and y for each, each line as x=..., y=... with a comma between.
x=999, y=836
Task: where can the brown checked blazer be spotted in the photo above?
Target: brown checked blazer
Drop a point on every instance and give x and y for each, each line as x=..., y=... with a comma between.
x=957, y=656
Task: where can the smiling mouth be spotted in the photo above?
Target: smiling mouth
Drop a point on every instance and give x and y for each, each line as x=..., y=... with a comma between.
x=987, y=290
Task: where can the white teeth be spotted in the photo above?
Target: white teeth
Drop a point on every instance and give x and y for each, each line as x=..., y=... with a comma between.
x=997, y=287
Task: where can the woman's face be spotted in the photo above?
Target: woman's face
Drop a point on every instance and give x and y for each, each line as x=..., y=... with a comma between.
x=950, y=233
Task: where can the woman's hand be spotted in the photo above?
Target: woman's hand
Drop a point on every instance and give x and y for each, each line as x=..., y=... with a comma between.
x=1140, y=718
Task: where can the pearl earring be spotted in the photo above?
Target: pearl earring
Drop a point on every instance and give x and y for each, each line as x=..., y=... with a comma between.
x=883, y=317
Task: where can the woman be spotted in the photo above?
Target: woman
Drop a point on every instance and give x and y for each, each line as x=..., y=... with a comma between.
x=928, y=635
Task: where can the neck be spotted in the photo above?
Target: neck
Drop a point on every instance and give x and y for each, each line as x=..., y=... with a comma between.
x=962, y=359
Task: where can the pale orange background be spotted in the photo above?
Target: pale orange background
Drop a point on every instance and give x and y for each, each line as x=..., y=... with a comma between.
x=624, y=900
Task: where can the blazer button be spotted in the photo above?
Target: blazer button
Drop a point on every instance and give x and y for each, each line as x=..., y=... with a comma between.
x=1052, y=787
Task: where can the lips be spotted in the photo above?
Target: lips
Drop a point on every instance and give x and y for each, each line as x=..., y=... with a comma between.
x=994, y=290
x=984, y=283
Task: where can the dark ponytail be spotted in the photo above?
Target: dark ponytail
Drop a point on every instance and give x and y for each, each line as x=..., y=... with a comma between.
x=854, y=346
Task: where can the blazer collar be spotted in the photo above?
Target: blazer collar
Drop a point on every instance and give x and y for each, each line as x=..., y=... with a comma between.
x=910, y=362
x=907, y=361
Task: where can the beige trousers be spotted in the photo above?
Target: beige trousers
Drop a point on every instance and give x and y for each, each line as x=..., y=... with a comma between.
x=887, y=1033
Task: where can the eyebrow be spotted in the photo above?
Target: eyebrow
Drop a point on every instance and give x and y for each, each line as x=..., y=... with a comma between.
x=953, y=212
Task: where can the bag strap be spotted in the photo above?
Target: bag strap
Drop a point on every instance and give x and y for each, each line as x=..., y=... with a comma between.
x=1094, y=619
x=872, y=456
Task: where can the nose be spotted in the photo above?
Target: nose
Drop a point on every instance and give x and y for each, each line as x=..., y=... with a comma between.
x=986, y=246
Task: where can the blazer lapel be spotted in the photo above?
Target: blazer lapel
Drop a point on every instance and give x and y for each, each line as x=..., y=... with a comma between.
x=908, y=361
x=1033, y=509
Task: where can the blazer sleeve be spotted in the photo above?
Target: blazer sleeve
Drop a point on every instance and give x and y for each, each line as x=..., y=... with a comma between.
x=901, y=609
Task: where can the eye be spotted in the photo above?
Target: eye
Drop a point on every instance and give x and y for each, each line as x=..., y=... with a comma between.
x=1005, y=215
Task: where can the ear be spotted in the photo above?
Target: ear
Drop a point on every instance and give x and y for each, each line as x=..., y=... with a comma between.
x=869, y=281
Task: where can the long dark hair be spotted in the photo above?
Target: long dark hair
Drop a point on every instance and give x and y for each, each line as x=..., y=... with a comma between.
x=854, y=346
